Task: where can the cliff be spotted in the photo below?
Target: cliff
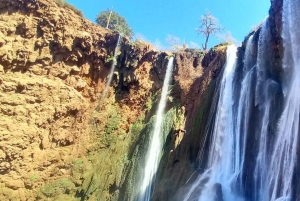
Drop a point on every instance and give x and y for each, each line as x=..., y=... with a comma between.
x=54, y=66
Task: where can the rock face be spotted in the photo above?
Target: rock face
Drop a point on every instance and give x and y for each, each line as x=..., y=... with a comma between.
x=53, y=67
x=48, y=84
x=275, y=19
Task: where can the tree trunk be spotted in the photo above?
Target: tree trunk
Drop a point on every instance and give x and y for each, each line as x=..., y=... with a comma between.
x=206, y=41
x=108, y=19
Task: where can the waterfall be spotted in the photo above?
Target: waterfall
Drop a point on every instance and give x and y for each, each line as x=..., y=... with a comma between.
x=253, y=153
x=155, y=145
x=284, y=157
x=223, y=160
x=242, y=113
x=263, y=98
x=112, y=69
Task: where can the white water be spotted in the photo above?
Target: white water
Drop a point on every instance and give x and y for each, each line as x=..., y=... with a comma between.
x=223, y=163
x=284, y=157
x=263, y=100
x=155, y=146
x=242, y=114
x=112, y=69
x=263, y=168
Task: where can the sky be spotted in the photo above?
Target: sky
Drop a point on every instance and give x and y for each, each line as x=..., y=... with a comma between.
x=154, y=20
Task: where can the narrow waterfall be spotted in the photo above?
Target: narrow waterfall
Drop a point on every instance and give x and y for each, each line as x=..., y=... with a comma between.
x=112, y=69
x=155, y=145
x=242, y=114
x=264, y=95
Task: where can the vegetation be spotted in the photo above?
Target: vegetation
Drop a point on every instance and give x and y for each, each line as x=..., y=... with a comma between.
x=33, y=177
x=111, y=58
x=107, y=157
x=57, y=187
x=137, y=127
x=112, y=20
x=65, y=4
x=209, y=25
x=107, y=131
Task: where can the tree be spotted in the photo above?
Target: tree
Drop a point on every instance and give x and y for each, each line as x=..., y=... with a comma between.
x=112, y=20
x=209, y=25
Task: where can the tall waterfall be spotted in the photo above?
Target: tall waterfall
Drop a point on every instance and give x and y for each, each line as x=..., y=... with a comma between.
x=155, y=146
x=284, y=157
x=264, y=96
x=223, y=164
x=254, y=153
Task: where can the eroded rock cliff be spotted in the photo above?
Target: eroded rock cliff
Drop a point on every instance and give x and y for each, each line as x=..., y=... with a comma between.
x=54, y=65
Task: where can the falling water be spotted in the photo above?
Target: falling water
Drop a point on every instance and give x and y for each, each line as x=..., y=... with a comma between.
x=222, y=163
x=155, y=146
x=253, y=152
x=262, y=100
x=284, y=157
x=112, y=69
x=242, y=113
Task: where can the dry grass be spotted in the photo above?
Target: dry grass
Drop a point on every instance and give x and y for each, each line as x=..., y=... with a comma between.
x=64, y=4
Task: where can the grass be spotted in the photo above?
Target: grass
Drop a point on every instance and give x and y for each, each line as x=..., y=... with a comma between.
x=65, y=4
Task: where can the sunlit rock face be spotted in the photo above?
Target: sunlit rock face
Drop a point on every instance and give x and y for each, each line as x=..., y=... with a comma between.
x=54, y=67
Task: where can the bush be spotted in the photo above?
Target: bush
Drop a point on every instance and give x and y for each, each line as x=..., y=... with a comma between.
x=58, y=187
x=116, y=22
x=64, y=4
x=136, y=128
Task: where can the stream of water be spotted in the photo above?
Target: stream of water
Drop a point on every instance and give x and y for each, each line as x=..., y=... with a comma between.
x=112, y=69
x=155, y=146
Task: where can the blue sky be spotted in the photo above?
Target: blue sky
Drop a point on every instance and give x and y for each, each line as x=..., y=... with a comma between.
x=156, y=19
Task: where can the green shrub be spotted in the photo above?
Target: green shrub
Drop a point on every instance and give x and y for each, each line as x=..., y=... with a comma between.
x=58, y=187
x=112, y=123
x=116, y=23
x=33, y=177
x=111, y=58
x=136, y=128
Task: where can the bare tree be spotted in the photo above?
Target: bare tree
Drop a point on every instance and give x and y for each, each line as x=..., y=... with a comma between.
x=209, y=25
